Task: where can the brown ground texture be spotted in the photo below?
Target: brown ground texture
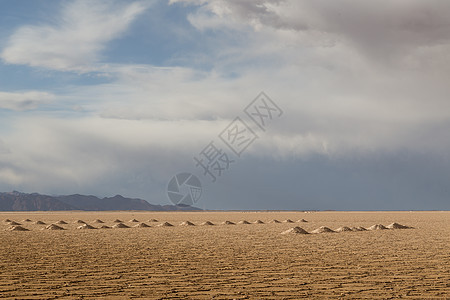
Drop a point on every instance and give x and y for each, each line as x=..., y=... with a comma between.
x=242, y=261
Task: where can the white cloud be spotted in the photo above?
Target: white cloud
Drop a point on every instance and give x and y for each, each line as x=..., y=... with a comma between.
x=9, y=176
x=20, y=101
x=133, y=157
x=333, y=112
x=386, y=31
x=76, y=39
x=85, y=148
x=3, y=147
x=355, y=76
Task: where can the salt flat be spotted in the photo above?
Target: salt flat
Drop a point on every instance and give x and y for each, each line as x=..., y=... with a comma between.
x=241, y=261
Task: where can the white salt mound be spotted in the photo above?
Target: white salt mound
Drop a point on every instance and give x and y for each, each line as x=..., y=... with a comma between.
x=98, y=221
x=142, y=225
x=14, y=223
x=258, y=222
x=153, y=220
x=295, y=230
x=302, y=221
x=275, y=221
x=120, y=225
x=398, y=226
x=80, y=222
x=117, y=221
x=358, y=229
x=26, y=220
x=39, y=223
x=207, y=223
x=7, y=221
x=54, y=227
x=377, y=227
x=228, y=223
x=165, y=224
x=343, y=229
x=134, y=221
x=187, y=223
x=288, y=221
x=17, y=228
x=105, y=227
x=244, y=222
x=86, y=226
x=322, y=229
x=61, y=222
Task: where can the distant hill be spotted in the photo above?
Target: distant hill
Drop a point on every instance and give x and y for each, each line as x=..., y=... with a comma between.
x=17, y=201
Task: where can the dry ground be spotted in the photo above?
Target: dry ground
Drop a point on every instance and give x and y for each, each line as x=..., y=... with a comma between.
x=226, y=261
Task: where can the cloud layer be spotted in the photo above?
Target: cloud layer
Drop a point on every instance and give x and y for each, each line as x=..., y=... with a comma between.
x=21, y=101
x=75, y=39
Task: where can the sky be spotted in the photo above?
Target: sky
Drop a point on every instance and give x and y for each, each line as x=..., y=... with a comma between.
x=117, y=97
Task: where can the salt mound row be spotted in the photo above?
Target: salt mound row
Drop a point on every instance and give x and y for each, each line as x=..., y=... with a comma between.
x=120, y=225
x=54, y=227
x=302, y=221
x=165, y=224
x=105, y=227
x=14, y=223
x=207, y=223
x=17, y=228
x=26, y=220
x=377, y=227
x=153, y=220
x=228, y=223
x=343, y=229
x=258, y=222
x=61, y=222
x=288, y=221
x=244, y=222
x=398, y=226
x=274, y=221
x=134, y=221
x=86, y=226
x=39, y=223
x=80, y=222
x=322, y=229
x=187, y=223
x=141, y=225
x=117, y=221
x=358, y=229
x=98, y=221
x=295, y=230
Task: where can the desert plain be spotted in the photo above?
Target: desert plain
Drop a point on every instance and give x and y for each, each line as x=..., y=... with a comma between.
x=241, y=261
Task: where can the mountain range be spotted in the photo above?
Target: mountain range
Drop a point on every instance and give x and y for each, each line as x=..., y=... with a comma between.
x=17, y=201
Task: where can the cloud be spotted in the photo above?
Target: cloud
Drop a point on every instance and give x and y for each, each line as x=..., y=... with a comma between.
x=318, y=61
x=75, y=39
x=81, y=150
x=388, y=32
x=21, y=101
x=363, y=87
x=357, y=76
x=3, y=147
